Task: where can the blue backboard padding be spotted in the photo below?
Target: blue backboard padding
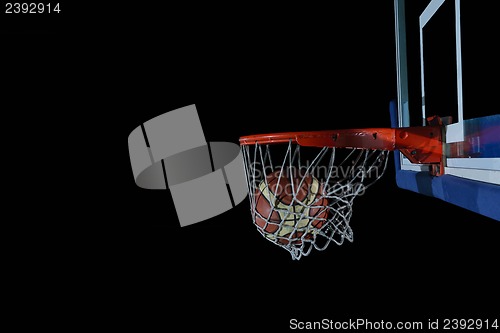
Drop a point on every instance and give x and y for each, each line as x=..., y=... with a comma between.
x=479, y=197
x=482, y=198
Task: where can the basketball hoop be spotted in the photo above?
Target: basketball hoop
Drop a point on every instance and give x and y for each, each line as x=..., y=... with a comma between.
x=302, y=185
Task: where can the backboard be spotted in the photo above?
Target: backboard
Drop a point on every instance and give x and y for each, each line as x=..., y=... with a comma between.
x=444, y=55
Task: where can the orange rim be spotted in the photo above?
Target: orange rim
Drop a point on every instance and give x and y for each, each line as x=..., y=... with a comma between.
x=421, y=144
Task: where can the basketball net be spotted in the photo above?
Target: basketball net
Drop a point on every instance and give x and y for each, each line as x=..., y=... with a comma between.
x=334, y=178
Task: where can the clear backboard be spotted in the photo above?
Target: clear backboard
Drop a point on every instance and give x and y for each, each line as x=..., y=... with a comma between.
x=445, y=54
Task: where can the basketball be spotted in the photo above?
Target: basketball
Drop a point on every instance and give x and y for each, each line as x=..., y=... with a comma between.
x=290, y=206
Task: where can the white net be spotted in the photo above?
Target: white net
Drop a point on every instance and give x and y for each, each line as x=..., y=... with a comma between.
x=304, y=201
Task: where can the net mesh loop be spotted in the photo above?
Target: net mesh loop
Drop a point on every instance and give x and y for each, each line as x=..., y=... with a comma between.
x=301, y=198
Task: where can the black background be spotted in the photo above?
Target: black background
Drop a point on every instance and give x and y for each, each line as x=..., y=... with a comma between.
x=102, y=248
